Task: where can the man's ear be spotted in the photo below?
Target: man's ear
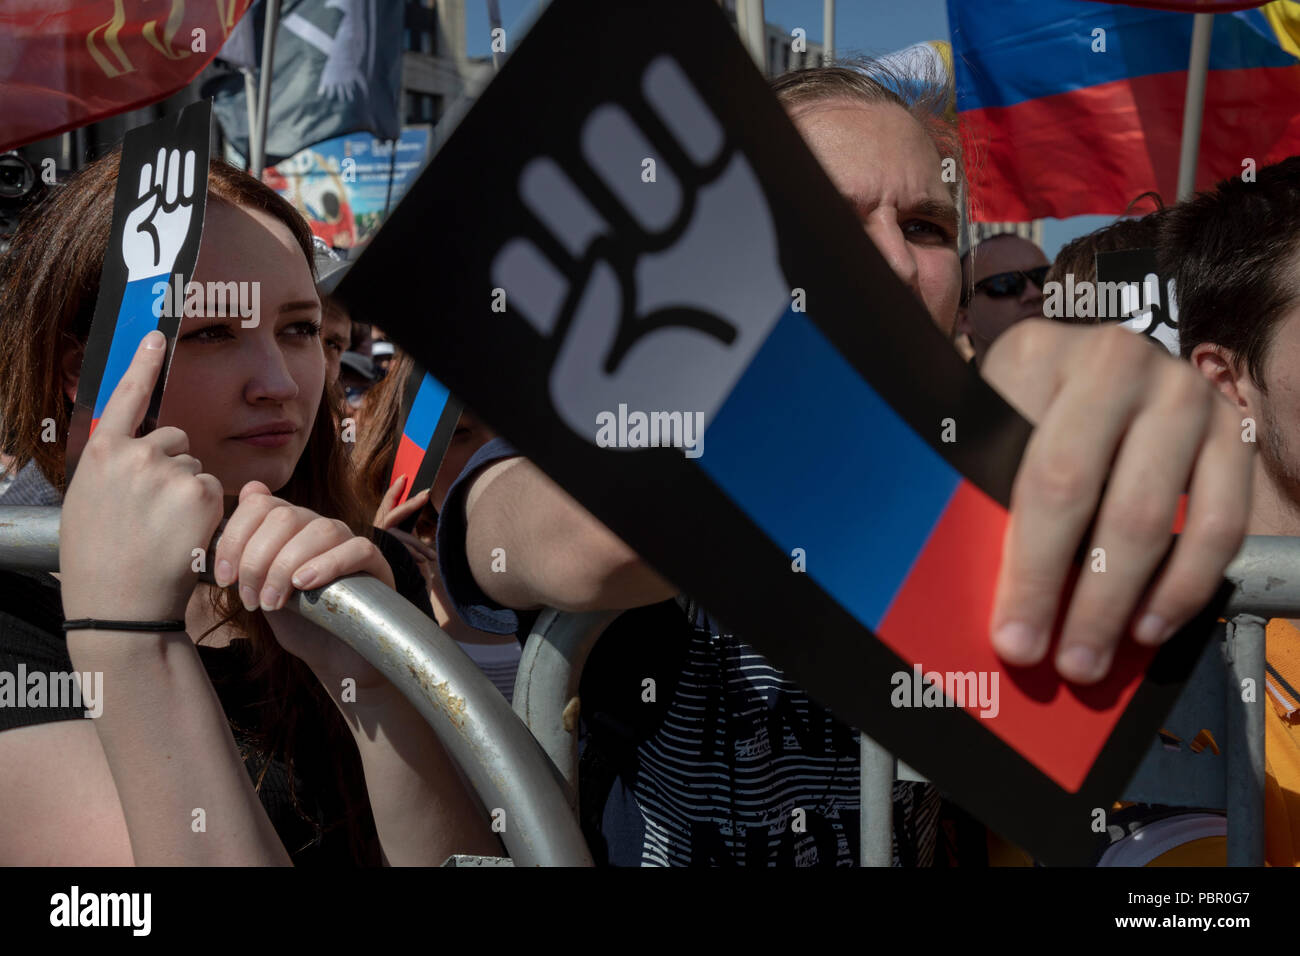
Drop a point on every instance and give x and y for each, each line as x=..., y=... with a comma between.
x=70, y=367
x=1225, y=372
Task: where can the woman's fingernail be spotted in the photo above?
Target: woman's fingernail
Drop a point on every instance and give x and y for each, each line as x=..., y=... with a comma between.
x=224, y=573
x=397, y=481
x=248, y=596
x=155, y=340
x=1017, y=640
x=270, y=599
x=1152, y=629
x=1079, y=662
x=305, y=578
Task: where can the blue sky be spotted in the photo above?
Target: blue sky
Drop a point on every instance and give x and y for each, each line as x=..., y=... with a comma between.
x=861, y=26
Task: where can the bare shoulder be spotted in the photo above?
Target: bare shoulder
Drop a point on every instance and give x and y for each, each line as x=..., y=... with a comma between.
x=487, y=478
x=60, y=804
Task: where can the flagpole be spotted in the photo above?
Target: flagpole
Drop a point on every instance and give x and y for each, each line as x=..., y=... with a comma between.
x=257, y=147
x=828, y=32
x=494, y=23
x=1194, y=106
x=388, y=198
x=750, y=26
x=250, y=101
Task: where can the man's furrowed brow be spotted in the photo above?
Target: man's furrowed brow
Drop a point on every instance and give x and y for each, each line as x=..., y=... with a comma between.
x=301, y=305
x=944, y=213
x=941, y=211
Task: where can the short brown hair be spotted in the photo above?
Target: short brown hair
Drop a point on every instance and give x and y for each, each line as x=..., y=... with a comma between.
x=1078, y=257
x=1231, y=252
x=927, y=97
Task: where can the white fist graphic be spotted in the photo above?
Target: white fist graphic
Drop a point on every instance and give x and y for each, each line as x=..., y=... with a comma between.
x=156, y=228
x=678, y=332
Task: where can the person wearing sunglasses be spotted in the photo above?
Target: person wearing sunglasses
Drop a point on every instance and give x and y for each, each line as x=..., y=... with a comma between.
x=1002, y=283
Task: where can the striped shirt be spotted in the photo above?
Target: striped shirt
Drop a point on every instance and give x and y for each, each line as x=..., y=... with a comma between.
x=746, y=769
x=696, y=750
x=500, y=662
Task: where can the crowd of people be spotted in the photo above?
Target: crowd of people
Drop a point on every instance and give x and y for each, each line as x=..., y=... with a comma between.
x=235, y=707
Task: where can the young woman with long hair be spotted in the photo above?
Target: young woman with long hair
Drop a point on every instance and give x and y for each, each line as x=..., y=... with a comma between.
x=251, y=737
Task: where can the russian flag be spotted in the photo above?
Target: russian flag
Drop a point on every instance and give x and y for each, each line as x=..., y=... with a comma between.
x=426, y=432
x=904, y=542
x=1071, y=107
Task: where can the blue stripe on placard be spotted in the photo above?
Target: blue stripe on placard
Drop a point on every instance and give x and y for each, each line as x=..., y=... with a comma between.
x=820, y=461
x=426, y=410
x=137, y=316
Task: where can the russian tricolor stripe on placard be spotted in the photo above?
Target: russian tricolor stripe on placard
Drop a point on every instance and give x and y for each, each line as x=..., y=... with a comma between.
x=891, y=526
x=138, y=316
x=427, y=429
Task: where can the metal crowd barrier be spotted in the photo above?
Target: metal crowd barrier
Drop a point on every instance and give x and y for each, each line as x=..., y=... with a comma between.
x=534, y=776
x=504, y=764
x=546, y=687
x=1266, y=584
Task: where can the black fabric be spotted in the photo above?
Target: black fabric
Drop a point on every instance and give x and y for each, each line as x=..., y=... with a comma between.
x=962, y=840
x=407, y=579
x=650, y=643
x=30, y=615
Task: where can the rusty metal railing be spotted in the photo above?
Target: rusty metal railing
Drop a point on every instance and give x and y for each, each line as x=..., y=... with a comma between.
x=534, y=776
x=546, y=688
x=505, y=765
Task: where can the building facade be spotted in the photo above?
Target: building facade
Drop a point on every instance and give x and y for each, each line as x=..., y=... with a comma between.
x=434, y=64
x=1032, y=230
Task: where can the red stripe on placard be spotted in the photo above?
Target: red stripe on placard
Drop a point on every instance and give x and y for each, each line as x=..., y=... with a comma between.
x=1180, y=517
x=1058, y=727
x=407, y=462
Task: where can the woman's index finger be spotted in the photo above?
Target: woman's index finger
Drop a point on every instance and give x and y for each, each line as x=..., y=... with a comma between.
x=127, y=405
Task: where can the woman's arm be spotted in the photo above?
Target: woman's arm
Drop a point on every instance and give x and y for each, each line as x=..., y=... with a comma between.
x=62, y=811
x=424, y=811
x=184, y=792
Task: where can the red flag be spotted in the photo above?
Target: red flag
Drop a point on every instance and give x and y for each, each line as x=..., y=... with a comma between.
x=67, y=63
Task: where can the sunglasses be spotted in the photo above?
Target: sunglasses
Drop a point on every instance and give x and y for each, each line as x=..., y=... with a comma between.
x=1010, y=283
